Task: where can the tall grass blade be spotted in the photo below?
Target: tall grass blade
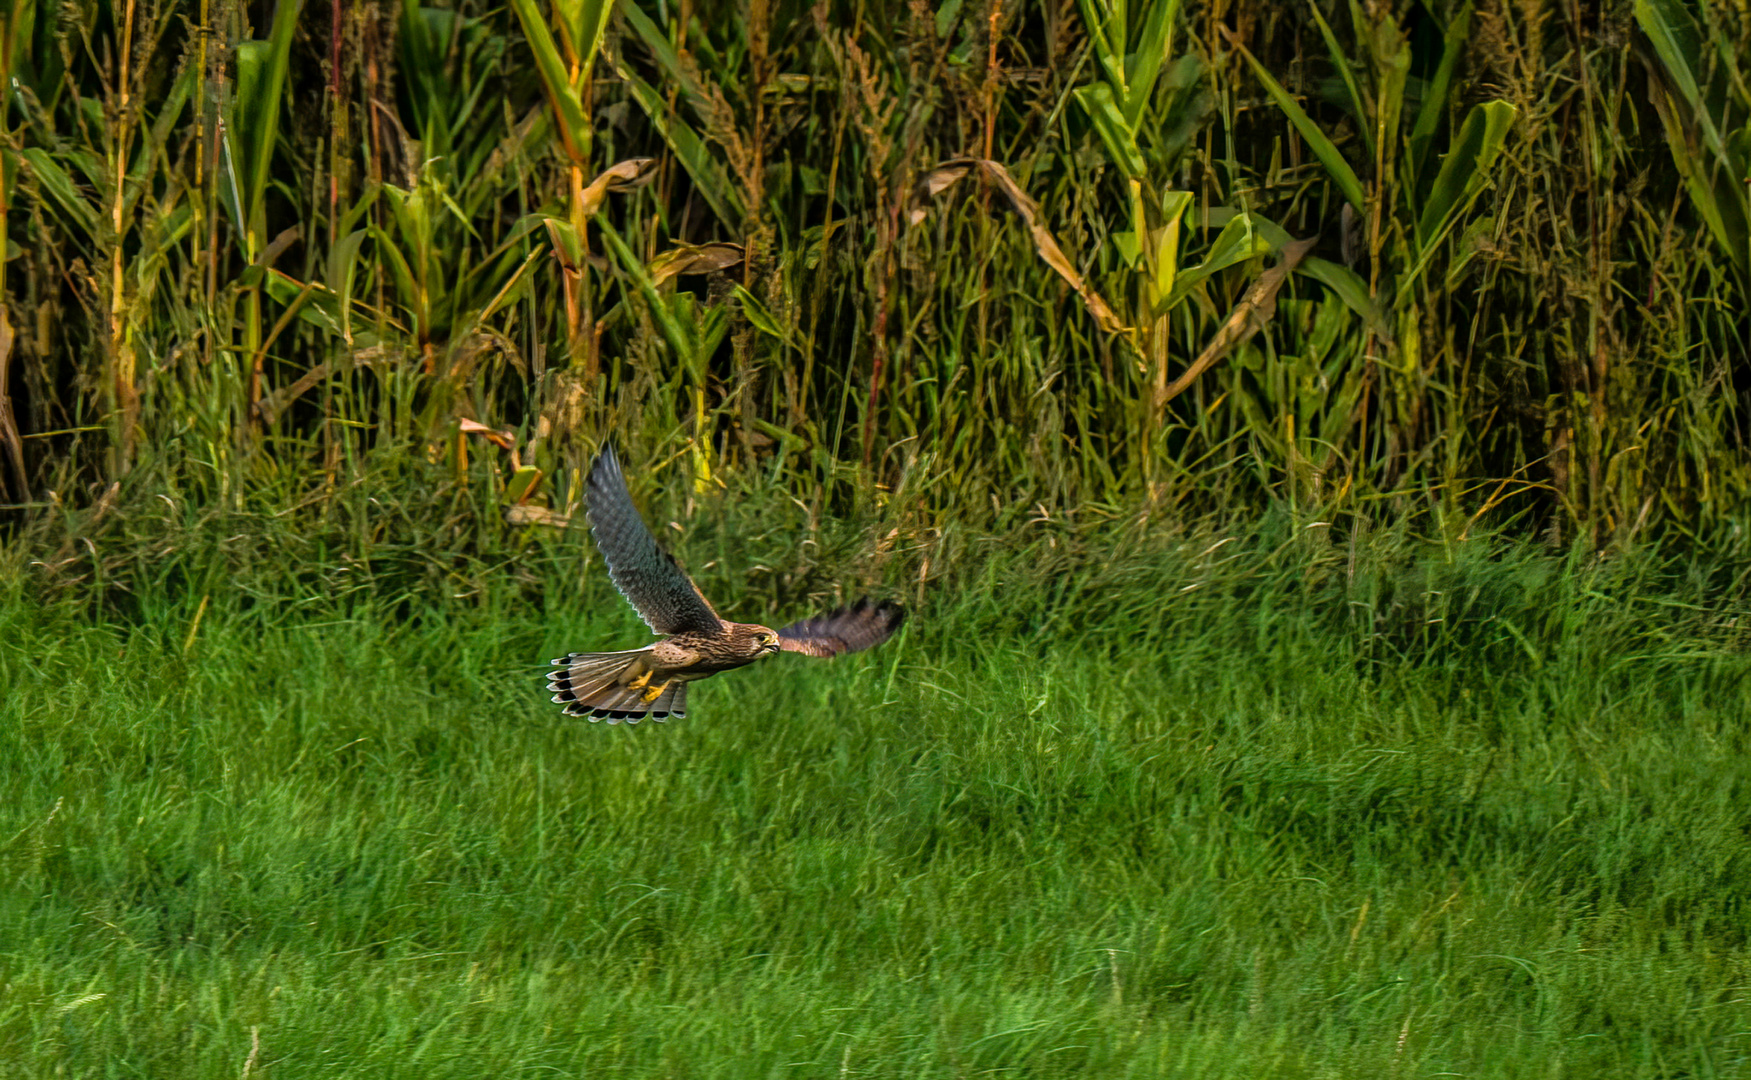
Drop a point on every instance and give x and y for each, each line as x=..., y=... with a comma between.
x=562, y=94
x=1322, y=146
x=261, y=84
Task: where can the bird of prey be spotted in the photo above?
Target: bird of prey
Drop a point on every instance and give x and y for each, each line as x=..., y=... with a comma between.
x=696, y=644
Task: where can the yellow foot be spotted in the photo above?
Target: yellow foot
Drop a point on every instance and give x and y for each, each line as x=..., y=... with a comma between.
x=654, y=692
x=641, y=682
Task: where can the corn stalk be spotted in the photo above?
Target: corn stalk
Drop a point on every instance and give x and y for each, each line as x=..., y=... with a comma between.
x=566, y=68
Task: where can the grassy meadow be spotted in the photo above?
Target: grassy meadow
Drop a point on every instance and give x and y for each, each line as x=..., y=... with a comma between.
x=1206, y=810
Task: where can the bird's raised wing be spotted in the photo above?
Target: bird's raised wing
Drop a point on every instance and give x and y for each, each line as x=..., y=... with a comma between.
x=861, y=626
x=650, y=579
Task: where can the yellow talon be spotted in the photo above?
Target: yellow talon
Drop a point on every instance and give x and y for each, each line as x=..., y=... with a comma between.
x=654, y=692
x=641, y=682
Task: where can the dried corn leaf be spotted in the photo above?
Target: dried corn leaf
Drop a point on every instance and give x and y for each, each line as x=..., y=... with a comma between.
x=621, y=176
x=943, y=177
x=536, y=515
x=695, y=259
x=949, y=173
x=1248, y=317
x=503, y=439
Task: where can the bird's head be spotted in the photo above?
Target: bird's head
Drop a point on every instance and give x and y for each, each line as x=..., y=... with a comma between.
x=765, y=639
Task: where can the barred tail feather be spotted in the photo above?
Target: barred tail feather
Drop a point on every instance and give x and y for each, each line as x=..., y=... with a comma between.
x=617, y=703
x=594, y=685
x=673, y=703
x=631, y=706
x=585, y=680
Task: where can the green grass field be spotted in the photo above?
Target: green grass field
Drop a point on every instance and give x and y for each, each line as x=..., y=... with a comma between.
x=1243, y=813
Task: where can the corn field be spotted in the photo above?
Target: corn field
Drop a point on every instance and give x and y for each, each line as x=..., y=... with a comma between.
x=1481, y=262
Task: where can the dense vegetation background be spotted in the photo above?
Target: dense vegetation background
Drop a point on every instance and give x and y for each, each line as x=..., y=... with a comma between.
x=978, y=262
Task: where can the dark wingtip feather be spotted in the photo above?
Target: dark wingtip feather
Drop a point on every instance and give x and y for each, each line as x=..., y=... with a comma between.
x=852, y=628
x=607, y=461
x=891, y=613
x=606, y=474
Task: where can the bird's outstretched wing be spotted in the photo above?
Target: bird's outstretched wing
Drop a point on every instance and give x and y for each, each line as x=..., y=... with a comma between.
x=650, y=579
x=850, y=629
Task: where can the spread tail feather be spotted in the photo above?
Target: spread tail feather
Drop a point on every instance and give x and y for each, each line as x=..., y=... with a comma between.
x=595, y=685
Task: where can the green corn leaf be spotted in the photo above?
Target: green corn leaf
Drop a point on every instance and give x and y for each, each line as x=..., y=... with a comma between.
x=261, y=82
x=521, y=483
x=568, y=105
x=1716, y=183
x=1174, y=205
x=1109, y=121
x=165, y=122
x=1340, y=59
x=1144, y=65
x=1435, y=93
x=1390, y=53
x=90, y=166
x=312, y=303
x=1679, y=46
x=662, y=50
x=945, y=17
x=343, y=268
x=584, y=24
x=1344, y=283
x=1130, y=247
x=1107, y=34
x=1238, y=241
x=714, y=325
x=565, y=239
x=1130, y=242
x=690, y=150
x=1322, y=147
x=160, y=233
x=1465, y=168
x=413, y=222
x=1476, y=233
x=58, y=186
x=514, y=286
x=1348, y=287
x=679, y=334
x=1720, y=214
x=230, y=190
x=406, y=284
x=350, y=218
x=422, y=49
x=760, y=316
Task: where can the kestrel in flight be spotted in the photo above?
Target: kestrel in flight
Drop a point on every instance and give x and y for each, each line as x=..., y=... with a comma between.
x=696, y=644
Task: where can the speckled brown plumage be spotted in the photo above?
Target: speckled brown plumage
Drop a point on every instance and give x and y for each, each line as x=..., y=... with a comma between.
x=697, y=643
